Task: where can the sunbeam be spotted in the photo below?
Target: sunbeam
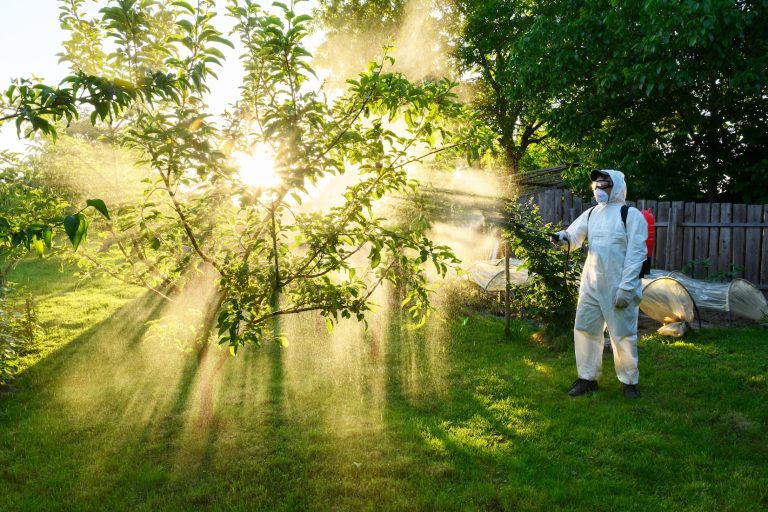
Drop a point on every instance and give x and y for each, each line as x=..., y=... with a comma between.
x=257, y=169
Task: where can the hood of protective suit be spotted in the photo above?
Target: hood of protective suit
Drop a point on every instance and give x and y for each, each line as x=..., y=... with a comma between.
x=619, y=190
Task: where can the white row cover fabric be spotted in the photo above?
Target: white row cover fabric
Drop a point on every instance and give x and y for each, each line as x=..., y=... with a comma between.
x=668, y=297
x=666, y=300
x=489, y=274
x=738, y=297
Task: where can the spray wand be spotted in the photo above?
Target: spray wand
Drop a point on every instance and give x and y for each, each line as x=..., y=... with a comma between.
x=508, y=222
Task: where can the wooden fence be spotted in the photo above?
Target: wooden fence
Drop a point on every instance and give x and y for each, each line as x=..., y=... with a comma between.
x=732, y=237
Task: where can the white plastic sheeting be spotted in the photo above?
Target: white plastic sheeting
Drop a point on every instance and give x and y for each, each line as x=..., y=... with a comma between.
x=668, y=297
x=666, y=300
x=738, y=297
x=489, y=274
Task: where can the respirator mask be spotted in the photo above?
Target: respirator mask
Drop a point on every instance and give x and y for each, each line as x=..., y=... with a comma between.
x=599, y=187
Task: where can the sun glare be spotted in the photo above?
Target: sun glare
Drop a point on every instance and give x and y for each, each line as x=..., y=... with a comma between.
x=257, y=169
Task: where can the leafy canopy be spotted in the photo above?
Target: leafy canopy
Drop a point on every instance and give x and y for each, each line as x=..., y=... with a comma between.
x=270, y=252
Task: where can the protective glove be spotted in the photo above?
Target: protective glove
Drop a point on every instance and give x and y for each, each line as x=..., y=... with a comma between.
x=559, y=238
x=623, y=298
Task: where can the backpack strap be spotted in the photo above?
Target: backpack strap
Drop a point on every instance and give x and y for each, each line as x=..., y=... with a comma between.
x=624, y=213
x=589, y=214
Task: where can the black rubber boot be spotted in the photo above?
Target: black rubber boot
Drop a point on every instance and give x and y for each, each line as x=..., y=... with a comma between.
x=582, y=386
x=631, y=391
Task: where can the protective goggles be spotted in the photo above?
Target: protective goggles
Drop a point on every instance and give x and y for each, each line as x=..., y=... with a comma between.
x=602, y=183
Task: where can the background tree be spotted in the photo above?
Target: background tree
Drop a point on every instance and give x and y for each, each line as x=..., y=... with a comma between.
x=481, y=39
x=486, y=48
x=672, y=93
x=662, y=90
x=355, y=32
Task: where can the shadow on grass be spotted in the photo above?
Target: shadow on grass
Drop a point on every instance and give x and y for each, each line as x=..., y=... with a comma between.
x=442, y=418
x=102, y=414
x=505, y=436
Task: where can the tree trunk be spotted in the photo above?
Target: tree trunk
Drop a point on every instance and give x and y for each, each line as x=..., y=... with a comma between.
x=513, y=157
x=207, y=376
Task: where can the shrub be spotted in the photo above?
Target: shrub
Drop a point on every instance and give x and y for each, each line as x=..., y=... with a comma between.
x=551, y=294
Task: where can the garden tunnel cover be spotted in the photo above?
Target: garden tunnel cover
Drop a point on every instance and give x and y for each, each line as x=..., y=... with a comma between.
x=668, y=296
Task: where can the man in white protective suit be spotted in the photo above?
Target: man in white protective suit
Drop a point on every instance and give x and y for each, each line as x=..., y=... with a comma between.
x=610, y=290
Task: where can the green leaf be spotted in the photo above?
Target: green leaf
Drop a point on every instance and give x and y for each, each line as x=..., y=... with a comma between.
x=38, y=245
x=375, y=257
x=185, y=5
x=100, y=206
x=221, y=40
x=186, y=25
x=329, y=325
x=302, y=18
x=47, y=235
x=76, y=227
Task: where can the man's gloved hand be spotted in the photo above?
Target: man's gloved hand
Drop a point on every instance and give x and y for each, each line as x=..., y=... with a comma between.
x=558, y=238
x=623, y=298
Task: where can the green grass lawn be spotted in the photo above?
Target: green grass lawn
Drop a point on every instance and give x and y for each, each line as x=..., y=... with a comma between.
x=449, y=417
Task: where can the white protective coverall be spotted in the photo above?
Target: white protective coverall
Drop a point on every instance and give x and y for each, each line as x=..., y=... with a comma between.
x=615, y=257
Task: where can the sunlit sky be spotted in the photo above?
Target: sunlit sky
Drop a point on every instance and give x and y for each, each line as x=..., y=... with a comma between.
x=31, y=37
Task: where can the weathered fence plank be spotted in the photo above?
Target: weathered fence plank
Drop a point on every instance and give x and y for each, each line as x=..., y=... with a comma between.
x=701, y=237
x=689, y=216
x=753, y=248
x=724, y=242
x=675, y=234
x=549, y=206
x=662, y=208
x=558, y=204
x=714, y=238
x=764, y=251
x=672, y=238
x=578, y=207
x=738, y=238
